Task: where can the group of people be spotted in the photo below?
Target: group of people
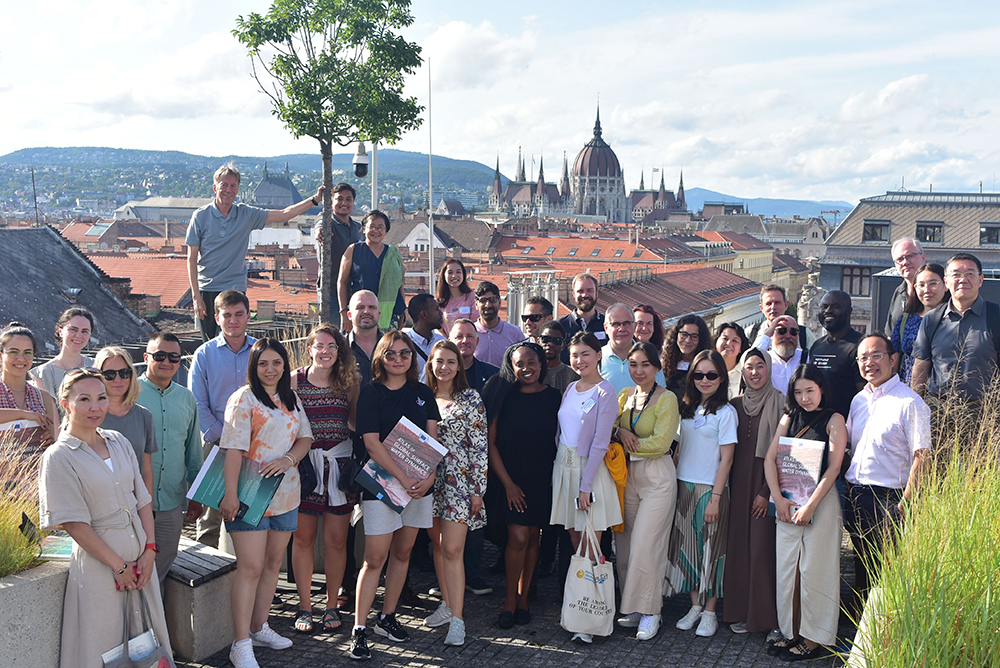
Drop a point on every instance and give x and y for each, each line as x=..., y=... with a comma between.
x=536, y=422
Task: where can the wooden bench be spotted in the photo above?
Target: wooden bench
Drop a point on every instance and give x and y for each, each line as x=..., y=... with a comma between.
x=197, y=607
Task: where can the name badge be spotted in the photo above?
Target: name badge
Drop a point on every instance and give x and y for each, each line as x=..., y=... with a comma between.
x=700, y=421
x=588, y=404
x=464, y=310
x=601, y=335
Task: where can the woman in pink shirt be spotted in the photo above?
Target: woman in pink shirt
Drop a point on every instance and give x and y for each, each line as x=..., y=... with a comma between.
x=454, y=296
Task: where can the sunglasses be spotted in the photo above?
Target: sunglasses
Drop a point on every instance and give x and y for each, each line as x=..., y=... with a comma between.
x=699, y=375
x=159, y=356
x=551, y=339
x=391, y=355
x=534, y=317
x=794, y=331
x=110, y=374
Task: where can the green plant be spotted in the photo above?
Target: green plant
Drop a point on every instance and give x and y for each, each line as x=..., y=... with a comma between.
x=938, y=598
x=19, y=481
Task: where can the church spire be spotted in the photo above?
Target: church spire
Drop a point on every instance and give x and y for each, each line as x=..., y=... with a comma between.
x=519, y=175
x=642, y=180
x=497, y=184
x=662, y=195
x=564, y=181
x=680, y=194
x=597, y=125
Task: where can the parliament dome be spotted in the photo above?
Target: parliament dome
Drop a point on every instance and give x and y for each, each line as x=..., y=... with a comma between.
x=597, y=159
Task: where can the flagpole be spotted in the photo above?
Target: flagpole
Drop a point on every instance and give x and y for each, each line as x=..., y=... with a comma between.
x=430, y=187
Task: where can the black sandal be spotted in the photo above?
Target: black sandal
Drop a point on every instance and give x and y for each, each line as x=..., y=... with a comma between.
x=506, y=620
x=304, y=621
x=329, y=617
x=802, y=652
x=778, y=647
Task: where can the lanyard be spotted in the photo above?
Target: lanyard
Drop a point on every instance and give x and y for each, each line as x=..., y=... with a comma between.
x=633, y=418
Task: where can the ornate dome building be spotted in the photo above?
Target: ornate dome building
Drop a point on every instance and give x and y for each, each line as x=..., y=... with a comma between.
x=597, y=182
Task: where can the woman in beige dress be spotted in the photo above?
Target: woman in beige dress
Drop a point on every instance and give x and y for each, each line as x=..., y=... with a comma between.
x=91, y=485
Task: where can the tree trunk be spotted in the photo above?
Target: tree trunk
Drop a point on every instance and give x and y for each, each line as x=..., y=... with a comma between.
x=327, y=284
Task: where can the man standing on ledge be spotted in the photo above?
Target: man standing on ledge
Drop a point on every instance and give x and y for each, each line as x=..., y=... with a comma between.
x=344, y=231
x=217, y=239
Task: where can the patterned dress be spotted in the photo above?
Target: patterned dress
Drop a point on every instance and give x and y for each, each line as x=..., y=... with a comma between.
x=327, y=414
x=903, y=343
x=462, y=473
x=25, y=447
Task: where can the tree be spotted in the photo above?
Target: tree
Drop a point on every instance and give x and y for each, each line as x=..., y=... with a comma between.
x=334, y=71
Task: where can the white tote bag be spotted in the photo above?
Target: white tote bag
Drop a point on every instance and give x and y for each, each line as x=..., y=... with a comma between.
x=589, y=597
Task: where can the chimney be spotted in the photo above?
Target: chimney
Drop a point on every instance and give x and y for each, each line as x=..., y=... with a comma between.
x=265, y=309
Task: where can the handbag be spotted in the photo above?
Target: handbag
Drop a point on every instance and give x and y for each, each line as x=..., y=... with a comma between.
x=589, y=594
x=143, y=650
x=307, y=477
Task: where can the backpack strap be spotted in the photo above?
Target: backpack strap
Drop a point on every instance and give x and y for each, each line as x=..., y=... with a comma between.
x=993, y=322
x=802, y=337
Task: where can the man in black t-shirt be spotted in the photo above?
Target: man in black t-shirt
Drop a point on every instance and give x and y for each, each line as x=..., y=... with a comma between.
x=836, y=353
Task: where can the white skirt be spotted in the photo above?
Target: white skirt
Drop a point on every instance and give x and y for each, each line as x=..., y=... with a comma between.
x=605, y=512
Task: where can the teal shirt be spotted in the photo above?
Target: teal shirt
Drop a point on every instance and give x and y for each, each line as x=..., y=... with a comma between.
x=177, y=462
x=614, y=369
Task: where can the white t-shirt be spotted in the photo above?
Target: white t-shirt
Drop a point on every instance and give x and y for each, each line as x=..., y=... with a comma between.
x=699, y=452
x=571, y=412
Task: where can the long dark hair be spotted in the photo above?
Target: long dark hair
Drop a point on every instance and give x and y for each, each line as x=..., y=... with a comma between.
x=647, y=349
x=443, y=293
x=16, y=328
x=657, y=337
x=285, y=393
x=71, y=313
x=461, y=383
x=378, y=365
x=806, y=372
x=913, y=303
x=692, y=395
x=584, y=338
x=671, y=354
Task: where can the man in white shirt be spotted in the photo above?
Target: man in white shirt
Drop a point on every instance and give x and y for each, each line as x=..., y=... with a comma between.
x=783, y=349
x=889, y=427
x=427, y=318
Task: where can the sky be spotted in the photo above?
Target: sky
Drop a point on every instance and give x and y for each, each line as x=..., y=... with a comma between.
x=836, y=100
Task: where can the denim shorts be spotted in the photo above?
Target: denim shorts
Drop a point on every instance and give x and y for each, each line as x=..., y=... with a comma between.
x=284, y=522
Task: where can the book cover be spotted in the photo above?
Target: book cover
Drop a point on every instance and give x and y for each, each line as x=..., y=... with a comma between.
x=254, y=490
x=57, y=546
x=799, y=461
x=414, y=451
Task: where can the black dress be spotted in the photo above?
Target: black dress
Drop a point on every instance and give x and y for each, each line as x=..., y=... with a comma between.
x=526, y=439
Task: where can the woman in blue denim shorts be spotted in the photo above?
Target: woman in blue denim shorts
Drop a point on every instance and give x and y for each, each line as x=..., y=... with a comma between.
x=265, y=422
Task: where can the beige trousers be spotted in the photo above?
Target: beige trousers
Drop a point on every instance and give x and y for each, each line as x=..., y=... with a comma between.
x=650, y=497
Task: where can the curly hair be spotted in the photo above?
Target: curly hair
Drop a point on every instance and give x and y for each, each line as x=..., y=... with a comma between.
x=344, y=375
x=671, y=354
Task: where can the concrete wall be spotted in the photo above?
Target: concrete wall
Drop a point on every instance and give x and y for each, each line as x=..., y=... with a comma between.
x=31, y=607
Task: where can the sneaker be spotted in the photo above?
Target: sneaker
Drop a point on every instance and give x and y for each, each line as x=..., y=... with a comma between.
x=439, y=617
x=630, y=621
x=775, y=635
x=583, y=637
x=241, y=655
x=708, y=625
x=738, y=627
x=359, y=646
x=687, y=622
x=456, y=633
x=648, y=626
x=266, y=637
x=388, y=627
x=478, y=586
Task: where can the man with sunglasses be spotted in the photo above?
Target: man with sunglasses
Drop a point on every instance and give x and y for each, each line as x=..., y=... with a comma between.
x=774, y=304
x=781, y=341
x=495, y=335
x=177, y=462
x=537, y=311
x=552, y=339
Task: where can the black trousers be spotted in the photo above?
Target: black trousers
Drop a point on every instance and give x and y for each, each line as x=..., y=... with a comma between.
x=873, y=519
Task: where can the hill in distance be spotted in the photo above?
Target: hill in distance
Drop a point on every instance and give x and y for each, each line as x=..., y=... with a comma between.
x=448, y=173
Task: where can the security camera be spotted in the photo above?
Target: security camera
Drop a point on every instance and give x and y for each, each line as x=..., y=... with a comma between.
x=361, y=161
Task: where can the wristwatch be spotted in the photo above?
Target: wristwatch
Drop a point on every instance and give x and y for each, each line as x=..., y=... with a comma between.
x=313, y=200
x=152, y=546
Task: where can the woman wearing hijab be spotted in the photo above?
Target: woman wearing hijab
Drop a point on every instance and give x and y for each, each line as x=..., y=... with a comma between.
x=750, y=569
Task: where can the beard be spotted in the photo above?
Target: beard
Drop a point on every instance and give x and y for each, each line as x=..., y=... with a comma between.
x=585, y=304
x=785, y=349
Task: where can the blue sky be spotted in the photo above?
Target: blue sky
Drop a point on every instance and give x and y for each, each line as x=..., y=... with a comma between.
x=834, y=100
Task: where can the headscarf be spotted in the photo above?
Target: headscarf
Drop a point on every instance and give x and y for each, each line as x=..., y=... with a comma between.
x=768, y=401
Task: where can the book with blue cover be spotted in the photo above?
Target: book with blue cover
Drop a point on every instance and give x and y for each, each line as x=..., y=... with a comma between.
x=254, y=490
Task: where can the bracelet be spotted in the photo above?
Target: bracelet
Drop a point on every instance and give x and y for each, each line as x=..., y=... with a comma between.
x=152, y=546
x=124, y=568
x=291, y=459
x=313, y=200
x=716, y=494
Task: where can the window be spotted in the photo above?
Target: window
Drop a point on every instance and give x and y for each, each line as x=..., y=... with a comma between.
x=815, y=235
x=638, y=252
x=618, y=253
x=551, y=250
x=989, y=234
x=930, y=233
x=875, y=233
x=856, y=281
x=526, y=250
x=595, y=252
x=572, y=251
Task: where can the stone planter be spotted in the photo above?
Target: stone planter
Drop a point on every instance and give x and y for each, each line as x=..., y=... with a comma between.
x=31, y=607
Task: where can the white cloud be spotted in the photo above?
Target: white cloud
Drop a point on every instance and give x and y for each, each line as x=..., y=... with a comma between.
x=895, y=95
x=464, y=56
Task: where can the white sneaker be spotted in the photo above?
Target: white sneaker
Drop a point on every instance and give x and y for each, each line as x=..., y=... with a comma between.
x=456, y=633
x=630, y=621
x=687, y=622
x=582, y=637
x=439, y=617
x=708, y=625
x=648, y=626
x=241, y=655
x=266, y=637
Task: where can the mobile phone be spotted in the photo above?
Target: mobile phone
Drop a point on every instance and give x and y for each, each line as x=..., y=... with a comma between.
x=242, y=511
x=576, y=501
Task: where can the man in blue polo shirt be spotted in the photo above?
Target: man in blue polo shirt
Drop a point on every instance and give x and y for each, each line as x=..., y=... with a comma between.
x=217, y=239
x=218, y=369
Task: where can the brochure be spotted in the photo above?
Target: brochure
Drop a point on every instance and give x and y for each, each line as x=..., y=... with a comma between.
x=414, y=451
x=798, y=461
x=254, y=490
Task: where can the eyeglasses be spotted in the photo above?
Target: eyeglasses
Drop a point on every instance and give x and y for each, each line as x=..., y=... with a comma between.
x=110, y=374
x=488, y=300
x=323, y=347
x=872, y=357
x=533, y=317
x=688, y=336
x=391, y=355
x=906, y=258
x=794, y=331
x=159, y=356
x=969, y=275
x=551, y=339
x=711, y=375
x=625, y=324
x=23, y=354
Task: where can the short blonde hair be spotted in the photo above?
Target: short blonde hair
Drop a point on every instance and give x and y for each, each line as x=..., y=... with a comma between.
x=226, y=170
x=111, y=352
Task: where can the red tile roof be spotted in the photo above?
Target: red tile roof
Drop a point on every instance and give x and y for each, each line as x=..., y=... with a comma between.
x=76, y=232
x=739, y=240
x=588, y=249
x=151, y=273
